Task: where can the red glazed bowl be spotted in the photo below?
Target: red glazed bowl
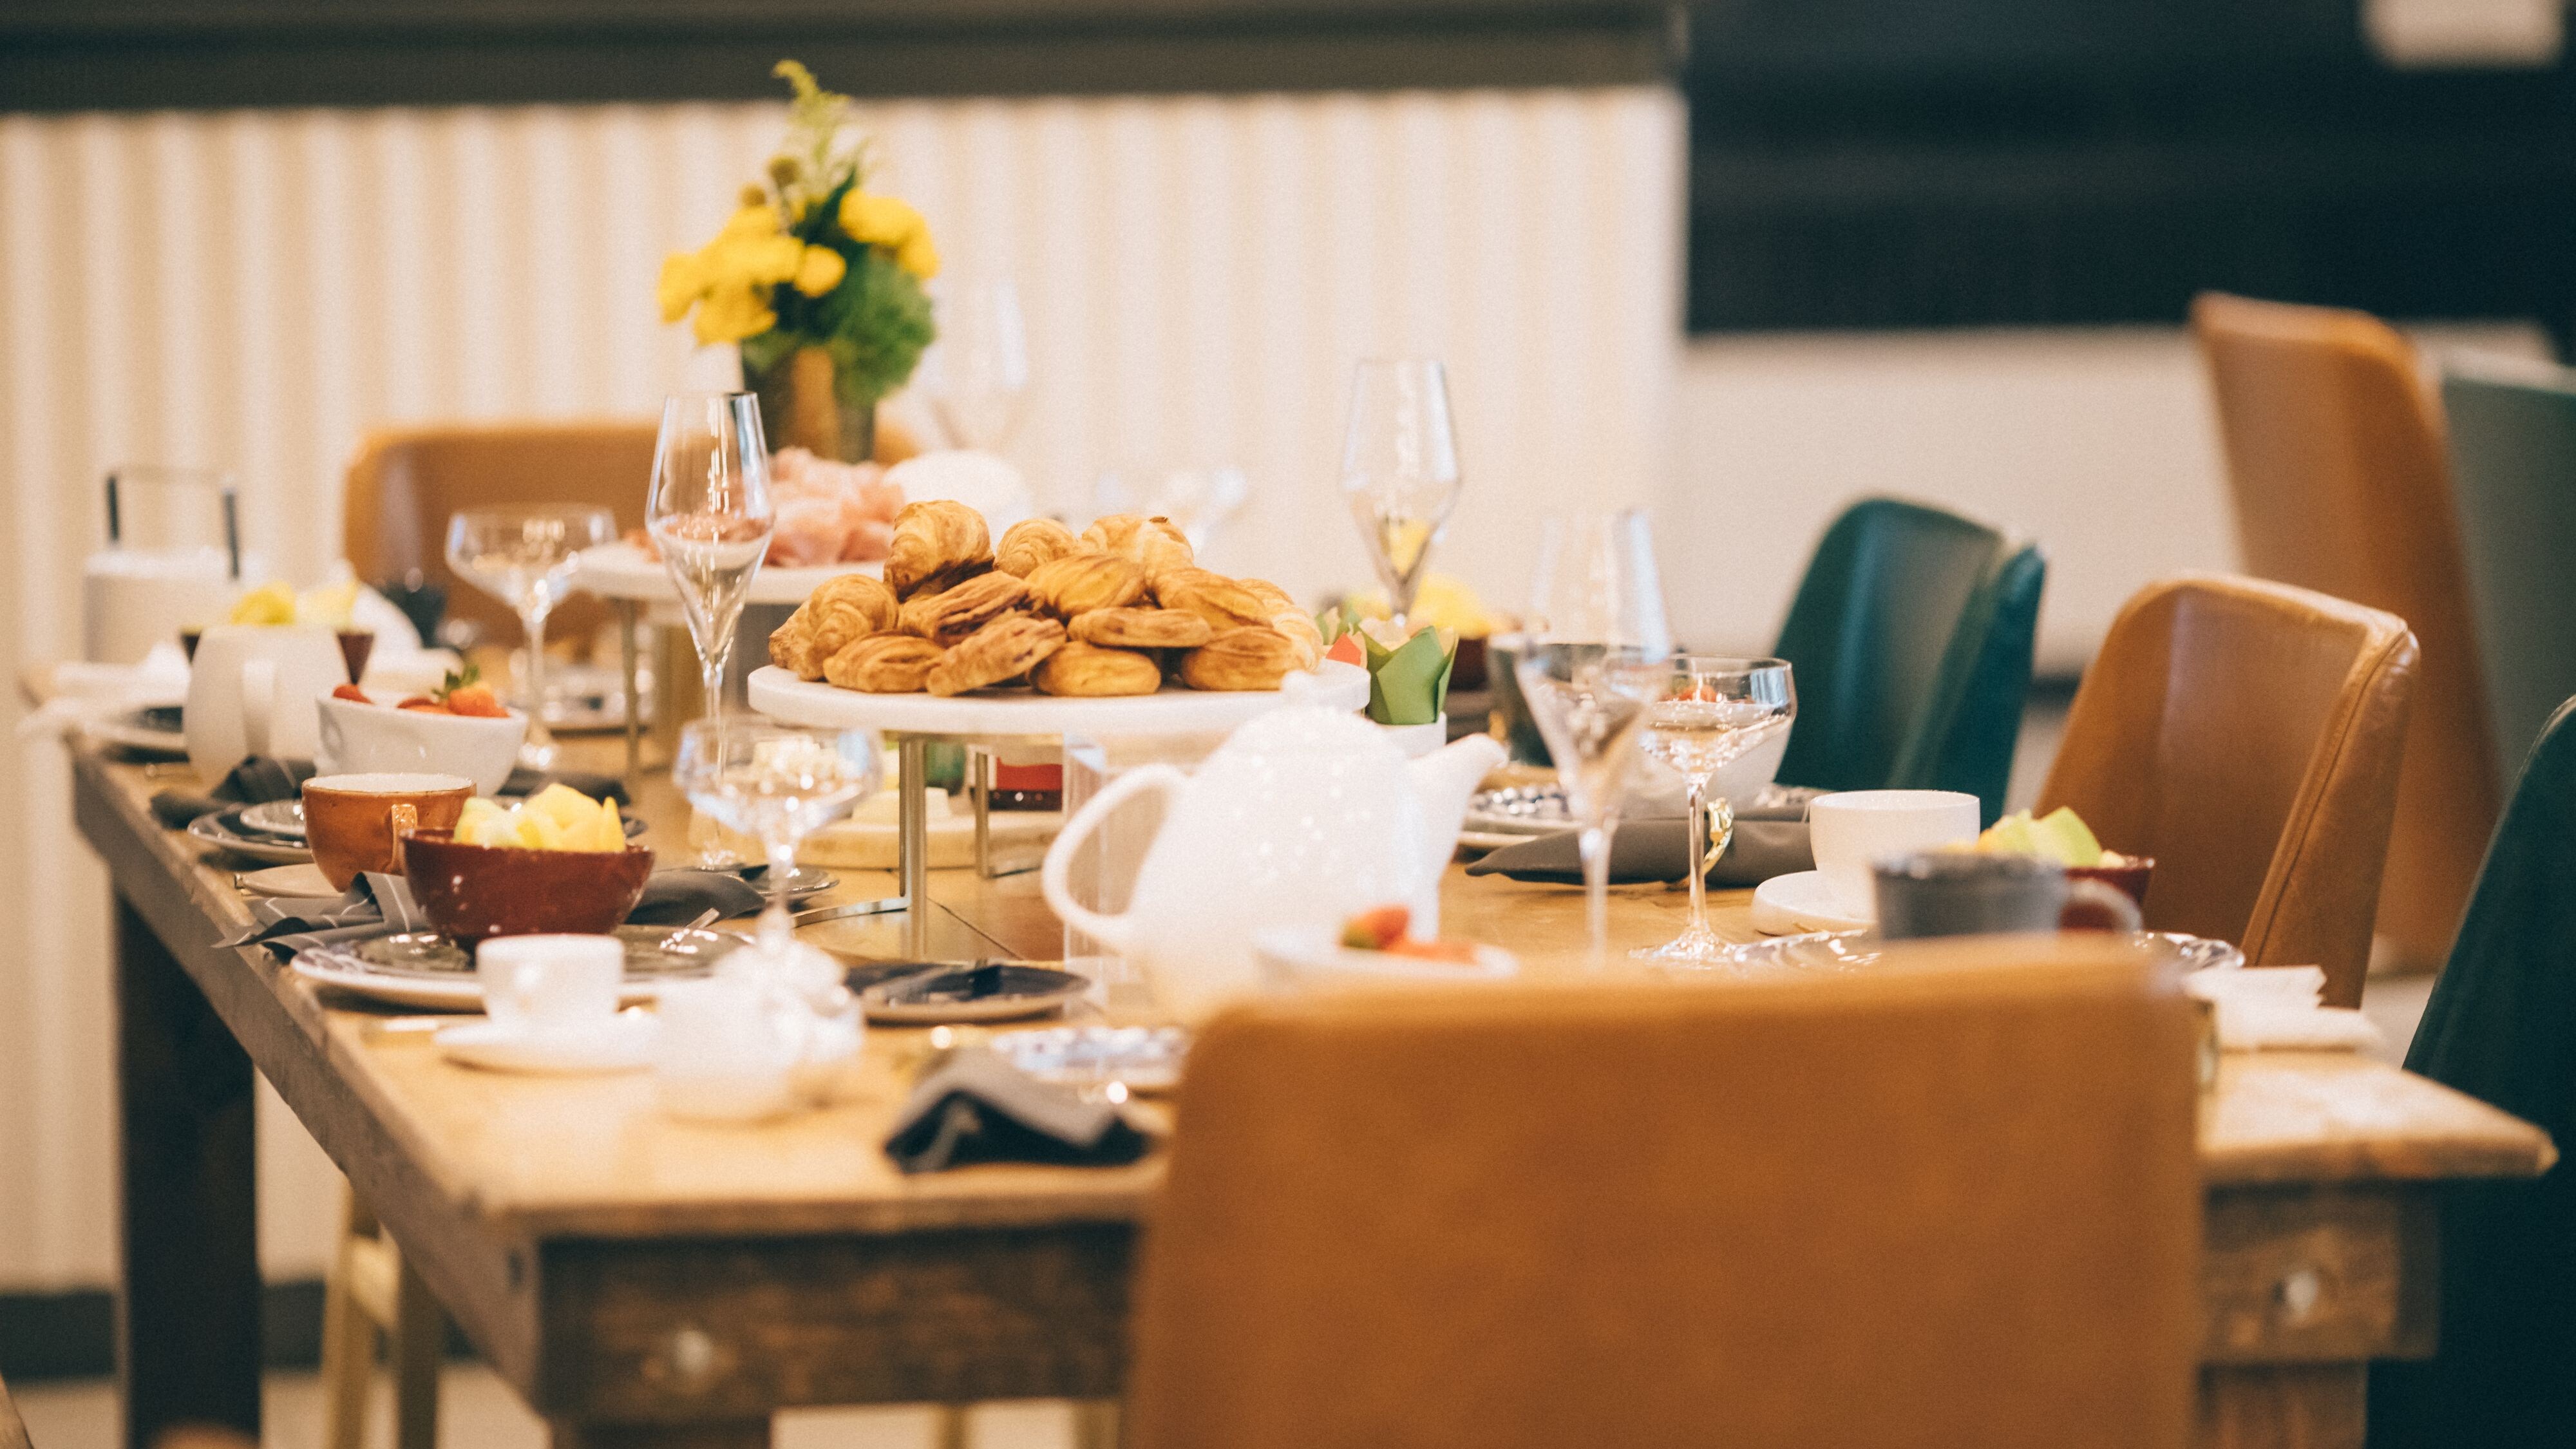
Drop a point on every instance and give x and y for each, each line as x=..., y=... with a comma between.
x=475, y=892
x=2129, y=879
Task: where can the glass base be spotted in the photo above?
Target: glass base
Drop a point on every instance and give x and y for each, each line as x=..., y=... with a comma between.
x=1696, y=949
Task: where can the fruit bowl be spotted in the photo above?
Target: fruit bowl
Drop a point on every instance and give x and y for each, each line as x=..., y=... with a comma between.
x=475, y=892
x=361, y=738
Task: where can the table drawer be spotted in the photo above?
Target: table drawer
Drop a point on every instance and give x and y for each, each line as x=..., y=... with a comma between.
x=2319, y=1274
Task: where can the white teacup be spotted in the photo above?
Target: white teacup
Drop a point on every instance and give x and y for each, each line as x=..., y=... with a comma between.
x=250, y=692
x=1851, y=828
x=550, y=985
x=724, y=1055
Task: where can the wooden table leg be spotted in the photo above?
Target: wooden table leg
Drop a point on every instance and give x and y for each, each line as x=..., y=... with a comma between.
x=2286, y=1406
x=188, y=1334
x=724, y=1434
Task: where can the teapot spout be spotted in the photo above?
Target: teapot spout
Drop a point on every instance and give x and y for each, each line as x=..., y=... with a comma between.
x=1443, y=782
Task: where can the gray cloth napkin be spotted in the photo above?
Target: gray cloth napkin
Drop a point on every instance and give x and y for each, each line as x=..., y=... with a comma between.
x=254, y=781
x=1769, y=841
x=980, y=1108
x=382, y=905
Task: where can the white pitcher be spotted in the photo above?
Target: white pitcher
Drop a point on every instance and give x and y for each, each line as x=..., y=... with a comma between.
x=251, y=691
x=1303, y=817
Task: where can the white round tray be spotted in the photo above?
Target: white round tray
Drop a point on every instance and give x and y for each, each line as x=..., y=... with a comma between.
x=1019, y=713
x=622, y=571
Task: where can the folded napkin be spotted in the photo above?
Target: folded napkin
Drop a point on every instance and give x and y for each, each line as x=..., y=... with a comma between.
x=980, y=1108
x=382, y=905
x=254, y=781
x=1769, y=840
x=2275, y=1008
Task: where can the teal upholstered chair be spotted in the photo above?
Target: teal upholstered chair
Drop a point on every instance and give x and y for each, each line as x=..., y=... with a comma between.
x=2513, y=474
x=1911, y=635
x=2502, y=1027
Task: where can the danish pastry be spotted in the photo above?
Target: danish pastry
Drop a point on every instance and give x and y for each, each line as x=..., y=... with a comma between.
x=1152, y=542
x=937, y=543
x=883, y=664
x=1081, y=582
x=1141, y=629
x=1088, y=669
x=1010, y=645
x=847, y=607
x=1221, y=601
x=1033, y=541
x=789, y=641
x=952, y=614
x=1252, y=657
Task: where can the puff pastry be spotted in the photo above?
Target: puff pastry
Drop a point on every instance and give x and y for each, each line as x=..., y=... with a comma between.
x=1152, y=542
x=1141, y=629
x=1087, y=669
x=1221, y=601
x=952, y=614
x=936, y=543
x=1010, y=645
x=1291, y=621
x=1033, y=541
x=851, y=606
x=1252, y=657
x=883, y=664
x=789, y=641
x=1079, y=583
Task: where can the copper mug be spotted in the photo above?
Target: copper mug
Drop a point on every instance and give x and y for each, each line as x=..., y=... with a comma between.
x=355, y=823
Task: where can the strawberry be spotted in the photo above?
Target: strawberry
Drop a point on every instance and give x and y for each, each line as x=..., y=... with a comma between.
x=422, y=701
x=1456, y=953
x=1378, y=929
x=476, y=700
x=350, y=692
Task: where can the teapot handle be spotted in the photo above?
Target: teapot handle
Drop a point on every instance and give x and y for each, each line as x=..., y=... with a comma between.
x=1055, y=878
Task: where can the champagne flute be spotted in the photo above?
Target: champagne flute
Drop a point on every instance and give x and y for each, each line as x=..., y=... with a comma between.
x=777, y=784
x=1400, y=467
x=979, y=367
x=526, y=557
x=1707, y=712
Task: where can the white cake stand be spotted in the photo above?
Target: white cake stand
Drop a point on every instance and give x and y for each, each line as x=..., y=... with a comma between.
x=914, y=720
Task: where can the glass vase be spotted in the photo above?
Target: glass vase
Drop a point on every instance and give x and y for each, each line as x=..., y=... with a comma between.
x=807, y=402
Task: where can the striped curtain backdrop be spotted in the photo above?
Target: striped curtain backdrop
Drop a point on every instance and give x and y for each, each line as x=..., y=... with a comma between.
x=255, y=289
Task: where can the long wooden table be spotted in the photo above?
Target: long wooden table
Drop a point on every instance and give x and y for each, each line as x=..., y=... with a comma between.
x=648, y=1282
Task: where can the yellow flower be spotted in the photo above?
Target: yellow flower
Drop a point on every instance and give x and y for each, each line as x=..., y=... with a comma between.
x=733, y=311
x=762, y=261
x=820, y=271
x=918, y=256
x=891, y=223
x=684, y=281
x=752, y=221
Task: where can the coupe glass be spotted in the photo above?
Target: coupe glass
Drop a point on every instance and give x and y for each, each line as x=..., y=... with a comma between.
x=1707, y=712
x=1400, y=467
x=979, y=368
x=776, y=784
x=711, y=516
x=526, y=557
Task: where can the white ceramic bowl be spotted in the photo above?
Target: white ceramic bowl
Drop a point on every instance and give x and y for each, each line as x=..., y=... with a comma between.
x=1309, y=958
x=369, y=738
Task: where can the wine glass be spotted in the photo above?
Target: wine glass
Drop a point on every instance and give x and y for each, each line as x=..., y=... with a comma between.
x=979, y=367
x=777, y=784
x=1708, y=712
x=526, y=557
x=710, y=515
x=1400, y=467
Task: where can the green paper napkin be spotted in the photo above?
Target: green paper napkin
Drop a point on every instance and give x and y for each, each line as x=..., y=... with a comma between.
x=1408, y=685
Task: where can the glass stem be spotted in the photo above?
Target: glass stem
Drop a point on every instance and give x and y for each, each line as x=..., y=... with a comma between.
x=1699, y=852
x=777, y=926
x=1594, y=844
x=532, y=689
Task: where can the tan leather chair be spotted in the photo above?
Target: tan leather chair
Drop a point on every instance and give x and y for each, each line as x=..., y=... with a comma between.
x=2247, y=736
x=1951, y=1204
x=2335, y=454
x=13, y=1430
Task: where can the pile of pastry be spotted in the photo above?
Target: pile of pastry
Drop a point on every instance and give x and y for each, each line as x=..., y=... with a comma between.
x=1108, y=611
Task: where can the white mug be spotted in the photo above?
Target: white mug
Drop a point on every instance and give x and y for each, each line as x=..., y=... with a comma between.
x=541, y=985
x=251, y=690
x=1851, y=828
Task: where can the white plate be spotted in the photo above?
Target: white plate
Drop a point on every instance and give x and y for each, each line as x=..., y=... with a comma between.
x=1313, y=957
x=1787, y=905
x=1008, y=713
x=623, y=571
x=427, y=993
x=208, y=830
x=623, y=1043
x=287, y=880
x=276, y=817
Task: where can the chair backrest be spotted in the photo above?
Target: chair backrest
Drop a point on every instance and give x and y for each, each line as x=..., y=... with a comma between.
x=1952, y=1204
x=2335, y=458
x=13, y=1430
x=1911, y=635
x=405, y=482
x=2501, y=1026
x=2513, y=470
x=2247, y=736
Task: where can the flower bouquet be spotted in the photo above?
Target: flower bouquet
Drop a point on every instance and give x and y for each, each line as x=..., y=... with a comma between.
x=819, y=281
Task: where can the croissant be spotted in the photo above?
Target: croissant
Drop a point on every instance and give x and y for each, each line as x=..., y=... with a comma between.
x=883, y=664
x=1141, y=629
x=1252, y=657
x=1221, y=601
x=843, y=608
x=1033, y=541
x=1153, y=542
x=1081, y=582
x=789, y=641
x=952, y=614
x=1010, y=645
x=1087, y=669
x=936, y=542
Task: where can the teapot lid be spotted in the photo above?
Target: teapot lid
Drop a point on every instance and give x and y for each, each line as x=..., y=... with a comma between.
x=1308, y=730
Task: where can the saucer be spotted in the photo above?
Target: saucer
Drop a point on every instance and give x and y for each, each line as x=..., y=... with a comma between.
x=622, y=1043
x=994, y=991
x=303, y=880
x=223, y=830
x=282, y=818
x=1799, y=902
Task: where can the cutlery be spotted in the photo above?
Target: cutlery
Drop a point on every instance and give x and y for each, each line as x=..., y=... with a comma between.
x=672, y=941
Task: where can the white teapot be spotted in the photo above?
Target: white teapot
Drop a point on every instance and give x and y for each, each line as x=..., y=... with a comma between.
x=1303, y=817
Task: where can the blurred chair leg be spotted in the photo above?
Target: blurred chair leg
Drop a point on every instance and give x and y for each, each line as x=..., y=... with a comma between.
x=1095, y=1424
x=948, y=1426
x=348, y=1337
x=371, y=1290
x=418, y=1343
